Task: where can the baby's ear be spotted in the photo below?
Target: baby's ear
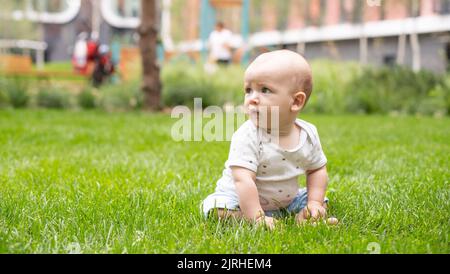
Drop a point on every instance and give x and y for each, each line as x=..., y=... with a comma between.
x=299, y=101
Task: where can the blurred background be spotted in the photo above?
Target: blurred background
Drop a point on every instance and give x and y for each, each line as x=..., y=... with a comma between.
x=373, y=47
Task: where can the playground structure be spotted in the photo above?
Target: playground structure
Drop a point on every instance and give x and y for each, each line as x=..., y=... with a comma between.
x=397, y=32
x=127, y=58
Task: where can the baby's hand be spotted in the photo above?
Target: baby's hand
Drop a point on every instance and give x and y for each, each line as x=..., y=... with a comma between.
x=268, y=222
x=314, y=211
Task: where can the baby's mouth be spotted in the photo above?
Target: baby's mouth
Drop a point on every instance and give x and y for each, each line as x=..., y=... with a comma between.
x=253, y=111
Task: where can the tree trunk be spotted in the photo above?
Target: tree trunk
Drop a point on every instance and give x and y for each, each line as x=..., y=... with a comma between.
x=151, y=85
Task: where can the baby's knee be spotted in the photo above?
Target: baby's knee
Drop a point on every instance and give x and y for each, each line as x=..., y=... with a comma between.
x=220, y=205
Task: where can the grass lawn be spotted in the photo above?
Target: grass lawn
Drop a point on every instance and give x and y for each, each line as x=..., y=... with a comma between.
x=95, y=182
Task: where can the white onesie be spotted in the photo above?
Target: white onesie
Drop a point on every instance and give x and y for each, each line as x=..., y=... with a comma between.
x=276, y=169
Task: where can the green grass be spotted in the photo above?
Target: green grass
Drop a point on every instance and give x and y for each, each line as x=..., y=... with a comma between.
x=95, y=182
x=58, y=66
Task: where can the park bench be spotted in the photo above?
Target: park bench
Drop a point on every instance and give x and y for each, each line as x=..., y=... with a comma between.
x=16, y=65
x=22, y=66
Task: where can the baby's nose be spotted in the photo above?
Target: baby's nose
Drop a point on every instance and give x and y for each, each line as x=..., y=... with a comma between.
x=253, y=96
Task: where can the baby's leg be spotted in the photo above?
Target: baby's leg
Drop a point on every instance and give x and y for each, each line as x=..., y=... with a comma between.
x=237, y=215
x=226, y=213
x=220, y=205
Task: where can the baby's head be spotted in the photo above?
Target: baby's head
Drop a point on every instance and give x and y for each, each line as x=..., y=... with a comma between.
x=280, y=79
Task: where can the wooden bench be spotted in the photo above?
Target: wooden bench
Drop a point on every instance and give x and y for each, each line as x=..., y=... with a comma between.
x=22, y=66
x=15, y=64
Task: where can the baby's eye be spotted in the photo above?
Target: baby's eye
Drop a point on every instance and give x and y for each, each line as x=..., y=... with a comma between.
x=248, y=90
x=265, y=90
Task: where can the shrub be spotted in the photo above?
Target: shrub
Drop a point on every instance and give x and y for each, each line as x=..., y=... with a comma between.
x=436, y=102
x=49, y=97
x=183, y=82
x=15, y=91
x=86, y=99
x=338, y=87
x=127, y=96
x=342, y=87
x=330, y=86
x=183, y=93
x=3, y=98
x=384, y=90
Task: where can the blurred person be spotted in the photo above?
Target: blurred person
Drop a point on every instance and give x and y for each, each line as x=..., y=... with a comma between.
x=84, y=54
x=92, y=58
x=80, y=53
x=104, y=67
x=219, y=45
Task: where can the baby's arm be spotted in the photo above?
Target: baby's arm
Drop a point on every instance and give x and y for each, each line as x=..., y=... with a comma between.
x=244, y=181
x=247, y=192
x=316, y=182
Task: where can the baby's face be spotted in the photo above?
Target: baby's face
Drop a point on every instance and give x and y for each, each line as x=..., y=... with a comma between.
x=270, y=83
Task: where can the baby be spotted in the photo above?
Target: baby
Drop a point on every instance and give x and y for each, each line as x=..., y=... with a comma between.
x=270, y=150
